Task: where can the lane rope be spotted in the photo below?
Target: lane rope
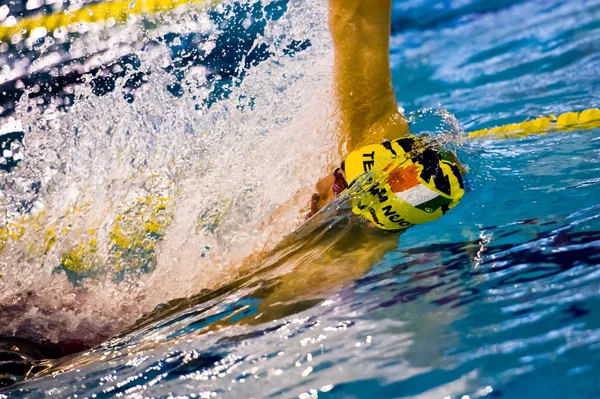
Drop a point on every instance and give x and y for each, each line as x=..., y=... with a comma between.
x=118, y=10
x=569, y=121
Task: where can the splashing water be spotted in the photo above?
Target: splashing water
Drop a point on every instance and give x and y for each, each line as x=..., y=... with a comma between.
x=440, y=126
x=499, y=298
x=121, y=205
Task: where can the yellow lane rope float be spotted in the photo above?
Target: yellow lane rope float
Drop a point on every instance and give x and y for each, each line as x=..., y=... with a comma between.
x=585, y=120
x=118, y=11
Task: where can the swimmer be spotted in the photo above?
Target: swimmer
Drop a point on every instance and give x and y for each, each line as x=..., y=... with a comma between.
x=394, y=180
x=400, y=180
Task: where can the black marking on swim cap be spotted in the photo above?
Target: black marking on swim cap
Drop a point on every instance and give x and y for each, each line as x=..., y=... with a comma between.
x=430, y=160
x=407, y=144
x=369, y=163
x=442, y=183
x=456, y=172
x=374, y=216
x=434, y=204
x=388, y=146
x=394, y=216
x=380, y=193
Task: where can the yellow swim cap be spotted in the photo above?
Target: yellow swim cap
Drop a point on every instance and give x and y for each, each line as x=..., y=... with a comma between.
x=397, y=184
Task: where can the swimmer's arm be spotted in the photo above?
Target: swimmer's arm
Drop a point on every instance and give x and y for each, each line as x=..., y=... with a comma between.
x=361, y=33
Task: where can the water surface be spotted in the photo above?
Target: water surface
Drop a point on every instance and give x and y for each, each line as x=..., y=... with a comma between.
x=499, y=298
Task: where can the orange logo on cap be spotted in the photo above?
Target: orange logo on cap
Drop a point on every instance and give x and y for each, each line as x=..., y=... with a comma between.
x=402, y=179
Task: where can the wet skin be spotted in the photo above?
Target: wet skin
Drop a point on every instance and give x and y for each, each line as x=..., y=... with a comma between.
x=334, y=248
x=365, y=98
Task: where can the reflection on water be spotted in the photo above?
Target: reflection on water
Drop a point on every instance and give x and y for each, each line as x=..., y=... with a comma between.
x=153, y=213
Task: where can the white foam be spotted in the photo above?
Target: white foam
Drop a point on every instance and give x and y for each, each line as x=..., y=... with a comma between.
x=11, y=125
x=236, y=175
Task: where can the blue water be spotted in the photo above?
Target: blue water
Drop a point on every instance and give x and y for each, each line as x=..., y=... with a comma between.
x=499, y=298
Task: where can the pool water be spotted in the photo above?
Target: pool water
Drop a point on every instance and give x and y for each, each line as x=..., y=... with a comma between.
x=499, y=298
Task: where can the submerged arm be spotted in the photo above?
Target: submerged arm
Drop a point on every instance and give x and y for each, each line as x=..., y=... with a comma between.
x=361, y=32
